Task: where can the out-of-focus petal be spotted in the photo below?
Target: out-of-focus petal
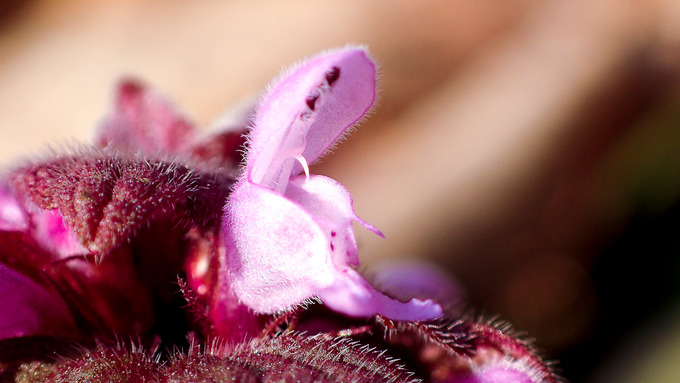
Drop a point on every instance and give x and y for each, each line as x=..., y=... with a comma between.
x=232, y=320
x=52, y=233
x=29, y=308
x=144, y=120
x=500, y=370
x=418, y=279
x=12, y=215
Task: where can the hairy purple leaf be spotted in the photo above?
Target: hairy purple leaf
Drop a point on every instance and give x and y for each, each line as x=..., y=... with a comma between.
x=105, y=197
x=338, y=360
x=287, y=358
x=465, y=351
x=103, y=365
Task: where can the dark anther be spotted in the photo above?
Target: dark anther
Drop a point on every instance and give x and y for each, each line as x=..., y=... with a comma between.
x=332, y=75
x=311, y=100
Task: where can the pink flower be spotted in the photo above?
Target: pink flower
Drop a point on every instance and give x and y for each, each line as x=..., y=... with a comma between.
x=30, y=308
x=289, y=236
x=502, y=369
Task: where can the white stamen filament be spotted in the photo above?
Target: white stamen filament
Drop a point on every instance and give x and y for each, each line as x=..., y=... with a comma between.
x=303, y=162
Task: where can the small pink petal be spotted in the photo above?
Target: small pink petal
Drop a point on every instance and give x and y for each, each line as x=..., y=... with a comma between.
x=503, y=375
x=307, y=112
x=500, y=370
x=143, y=120
x=418, y=279
x=352, y=295
x=232, y=321
x=53, y=234
x=12, y=215
x=29, y=308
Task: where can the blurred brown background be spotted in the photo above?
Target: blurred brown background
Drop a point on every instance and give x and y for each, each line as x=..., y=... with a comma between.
x=530, y=148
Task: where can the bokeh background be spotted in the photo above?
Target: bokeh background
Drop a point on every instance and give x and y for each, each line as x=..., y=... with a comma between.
x=529, y=148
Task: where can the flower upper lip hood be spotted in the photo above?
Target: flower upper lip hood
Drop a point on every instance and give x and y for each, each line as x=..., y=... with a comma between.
x=306, y=112
x=288, y=235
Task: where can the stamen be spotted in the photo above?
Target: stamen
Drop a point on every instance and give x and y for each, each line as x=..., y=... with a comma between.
x=279, y=170
x=303, y=162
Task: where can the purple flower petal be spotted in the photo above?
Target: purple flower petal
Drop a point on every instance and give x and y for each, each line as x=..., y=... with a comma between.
x=405, y=280
x=307, y=111
x=277, y=253
x=500, y=370
x=53, y=234
x=143, y=120
x=352, y=295
x=34, y=309
x=12, y=215
x=289, y=238
x=47, y=226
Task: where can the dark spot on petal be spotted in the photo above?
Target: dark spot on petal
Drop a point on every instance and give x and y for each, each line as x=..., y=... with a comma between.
x=311, y=100
x=306, y=115
x=333, y=234
x=332, y=247
x=332, y=75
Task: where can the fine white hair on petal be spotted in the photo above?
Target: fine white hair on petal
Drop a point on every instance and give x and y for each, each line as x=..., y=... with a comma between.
x=290, y=69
